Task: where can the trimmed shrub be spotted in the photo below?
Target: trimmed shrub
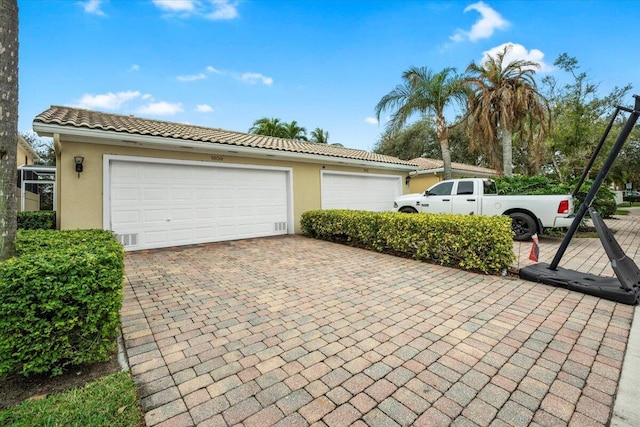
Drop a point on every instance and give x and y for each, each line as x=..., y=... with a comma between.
x=470, y=242
x=60, y=299
x=38, y=220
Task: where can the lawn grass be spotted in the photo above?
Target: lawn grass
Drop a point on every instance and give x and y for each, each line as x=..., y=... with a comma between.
x=621, y=212
x=108, y=401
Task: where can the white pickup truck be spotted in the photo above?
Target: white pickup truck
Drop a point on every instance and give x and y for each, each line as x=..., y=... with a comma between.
x=474, y=196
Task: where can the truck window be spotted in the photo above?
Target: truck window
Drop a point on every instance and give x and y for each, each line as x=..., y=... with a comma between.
x=490, y=187
x=442, y=189
x=465, y=187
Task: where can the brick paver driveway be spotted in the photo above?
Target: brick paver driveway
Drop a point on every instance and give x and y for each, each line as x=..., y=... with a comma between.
x=292, y=331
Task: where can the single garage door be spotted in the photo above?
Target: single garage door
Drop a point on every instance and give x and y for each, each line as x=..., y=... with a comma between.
x=343, y=190
x=160, y=204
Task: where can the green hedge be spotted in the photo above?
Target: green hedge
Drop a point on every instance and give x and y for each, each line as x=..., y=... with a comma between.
x=60, y=299
x=604, y=202
x=470, y=242
x=38, y=220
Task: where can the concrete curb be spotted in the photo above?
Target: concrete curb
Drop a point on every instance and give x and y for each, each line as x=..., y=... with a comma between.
x=122, y=354
x=626, y=411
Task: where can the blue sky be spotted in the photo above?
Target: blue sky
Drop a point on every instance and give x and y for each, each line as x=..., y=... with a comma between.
x=326, y=64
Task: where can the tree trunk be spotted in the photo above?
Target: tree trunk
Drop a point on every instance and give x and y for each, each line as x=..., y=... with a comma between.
x=443, y=137
x=507, y=151
x=446, y=158
x=8, y=125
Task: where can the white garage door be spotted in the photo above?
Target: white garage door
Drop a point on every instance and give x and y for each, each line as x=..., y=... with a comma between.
x=153, y=205
x=341, y=190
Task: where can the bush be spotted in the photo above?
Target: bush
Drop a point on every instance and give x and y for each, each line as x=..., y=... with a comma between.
x=604, y=202
x=60, y=299
x=470, y=242
x=38, y=220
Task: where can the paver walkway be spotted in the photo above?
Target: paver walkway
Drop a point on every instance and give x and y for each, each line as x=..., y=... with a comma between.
x=291, y=331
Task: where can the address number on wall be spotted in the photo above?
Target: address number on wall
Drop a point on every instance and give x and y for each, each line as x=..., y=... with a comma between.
x=217, y=158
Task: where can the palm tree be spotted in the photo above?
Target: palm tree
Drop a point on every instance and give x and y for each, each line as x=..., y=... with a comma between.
x=320, y=136
x=425, y=92
x=268, y=127
x=8, y=126
x=293, y=131
x=505, y=100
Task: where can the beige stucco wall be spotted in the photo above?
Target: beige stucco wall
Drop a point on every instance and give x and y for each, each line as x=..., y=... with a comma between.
x=419, y=183
x=80, y=203
x=22, y=157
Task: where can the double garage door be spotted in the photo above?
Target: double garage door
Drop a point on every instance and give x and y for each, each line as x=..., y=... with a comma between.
x=161, y=204
x=150, y=203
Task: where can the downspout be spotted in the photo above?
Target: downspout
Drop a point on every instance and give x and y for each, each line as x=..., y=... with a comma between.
x=57, y=145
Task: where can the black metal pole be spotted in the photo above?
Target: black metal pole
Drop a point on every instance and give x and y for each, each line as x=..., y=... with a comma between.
x=622, y=138
x=595, y=153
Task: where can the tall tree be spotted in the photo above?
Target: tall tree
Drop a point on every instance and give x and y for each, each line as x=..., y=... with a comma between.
x=425, y=92
x=419, y=140
x=278, y=128
x=8, y=125
x=293, y=131
x=580, y=116
x=42, y=146
x=320, y=136
x=506, y=101
x=268, y=127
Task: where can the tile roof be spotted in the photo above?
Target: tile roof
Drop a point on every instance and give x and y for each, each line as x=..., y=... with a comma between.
x=426, y=164
x=95, y=120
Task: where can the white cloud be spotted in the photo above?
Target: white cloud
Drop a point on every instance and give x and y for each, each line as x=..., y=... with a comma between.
x=93, y=7
x=176, y=5
x=161, y=108
x=518, y=52
x=213, y=70
x=222, y=9
x=134, y=67
x=253, y=78
x=108, y=101
x=192, y=77
x=215, y=10
x=204, y=108
x=147, y=96
x=371, y=120
x=489, y=21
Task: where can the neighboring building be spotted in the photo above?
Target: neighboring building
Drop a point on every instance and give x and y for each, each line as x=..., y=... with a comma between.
x=157, y=183
x=25, y=156
x=431, y=171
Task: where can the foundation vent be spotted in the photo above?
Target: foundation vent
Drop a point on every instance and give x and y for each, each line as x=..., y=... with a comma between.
x=127, y=239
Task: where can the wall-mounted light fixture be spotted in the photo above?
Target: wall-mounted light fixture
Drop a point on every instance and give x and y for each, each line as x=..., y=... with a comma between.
x=79, y=160
x=407, y=180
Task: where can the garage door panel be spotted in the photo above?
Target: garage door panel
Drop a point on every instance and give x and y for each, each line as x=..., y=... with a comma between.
x=128, y=195
x=154, y=194
x=182, y=214
x=154, y=237
x=179, y=204
x=155, y=216
x=128, y=217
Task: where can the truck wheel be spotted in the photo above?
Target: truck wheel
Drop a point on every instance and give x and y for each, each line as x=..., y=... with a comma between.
x=523, y=226
x=407, y=209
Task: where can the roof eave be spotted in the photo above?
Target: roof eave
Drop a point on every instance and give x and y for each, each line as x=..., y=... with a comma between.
x=28, y=148
x=454, y=170
x=108, y=137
